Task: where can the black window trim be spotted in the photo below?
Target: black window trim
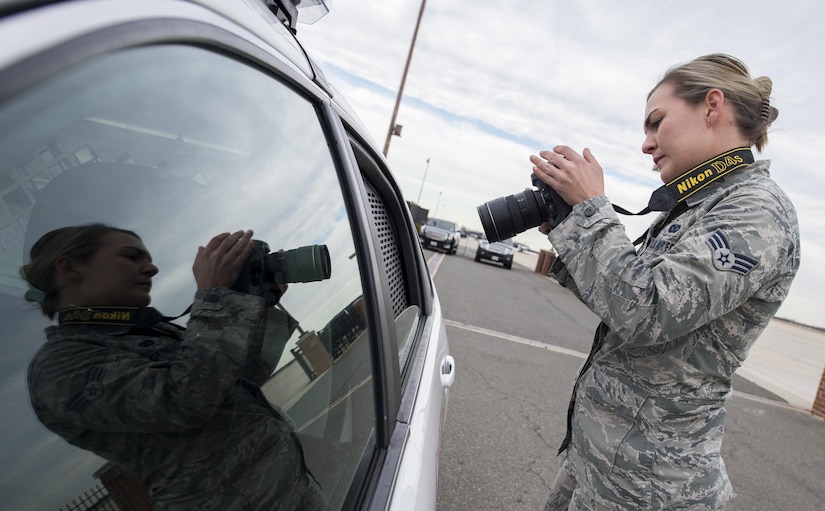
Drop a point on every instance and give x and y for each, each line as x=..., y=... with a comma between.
x=380, y=468
x=415, y=264
x=387, y=384
x=386, y=371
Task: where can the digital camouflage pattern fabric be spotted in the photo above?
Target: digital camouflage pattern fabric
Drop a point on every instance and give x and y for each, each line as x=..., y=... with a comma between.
x=682, y=313
x=181, y=409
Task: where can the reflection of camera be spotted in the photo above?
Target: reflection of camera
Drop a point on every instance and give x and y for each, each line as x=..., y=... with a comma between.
x=505, y=217
x=261, y=269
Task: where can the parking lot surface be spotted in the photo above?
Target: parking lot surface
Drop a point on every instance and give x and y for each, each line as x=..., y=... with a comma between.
x=518, y=340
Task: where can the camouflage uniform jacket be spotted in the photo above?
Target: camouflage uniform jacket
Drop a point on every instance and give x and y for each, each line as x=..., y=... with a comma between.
x=682, y=314
x=182, y=410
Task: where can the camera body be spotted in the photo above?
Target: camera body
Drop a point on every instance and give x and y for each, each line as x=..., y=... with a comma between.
x=505, y=217
x=262, y=269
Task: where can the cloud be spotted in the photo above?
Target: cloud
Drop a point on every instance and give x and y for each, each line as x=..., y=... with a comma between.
x=490, y=84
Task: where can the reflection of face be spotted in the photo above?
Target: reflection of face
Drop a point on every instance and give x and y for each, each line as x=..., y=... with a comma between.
x=676, y=133
x=119, y=273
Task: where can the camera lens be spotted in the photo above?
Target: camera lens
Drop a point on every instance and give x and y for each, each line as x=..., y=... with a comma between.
x=306, y=264
x=505, y=217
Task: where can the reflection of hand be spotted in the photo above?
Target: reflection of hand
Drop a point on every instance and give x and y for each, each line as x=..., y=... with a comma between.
x=219, y=262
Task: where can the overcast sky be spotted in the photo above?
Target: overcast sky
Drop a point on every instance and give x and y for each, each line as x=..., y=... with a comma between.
x=492, y=82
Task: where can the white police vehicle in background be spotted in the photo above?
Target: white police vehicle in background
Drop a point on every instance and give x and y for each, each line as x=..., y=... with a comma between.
x=440, y=234
x=498, y=252
x=181, y=119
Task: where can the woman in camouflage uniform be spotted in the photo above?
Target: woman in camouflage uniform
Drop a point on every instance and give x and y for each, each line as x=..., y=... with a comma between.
x=680, y=312
x=180, y=408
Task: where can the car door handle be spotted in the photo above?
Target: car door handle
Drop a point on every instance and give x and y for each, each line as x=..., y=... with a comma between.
x=447, y=372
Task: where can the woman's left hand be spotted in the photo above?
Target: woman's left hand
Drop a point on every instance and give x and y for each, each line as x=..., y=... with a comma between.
x=575, y=177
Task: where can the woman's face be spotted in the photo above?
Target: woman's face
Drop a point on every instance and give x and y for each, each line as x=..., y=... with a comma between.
x=676, y=133
x=118, y=274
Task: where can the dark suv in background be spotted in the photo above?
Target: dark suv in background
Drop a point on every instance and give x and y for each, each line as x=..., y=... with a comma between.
x=440, y=234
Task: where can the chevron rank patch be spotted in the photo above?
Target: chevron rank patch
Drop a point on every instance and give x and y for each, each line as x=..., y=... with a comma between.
x=92, y=390
x=724, y=259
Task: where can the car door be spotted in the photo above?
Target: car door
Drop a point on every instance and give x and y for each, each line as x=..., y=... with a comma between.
x=178, y=126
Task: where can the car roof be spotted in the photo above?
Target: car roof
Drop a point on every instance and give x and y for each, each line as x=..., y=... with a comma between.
x=249, y=16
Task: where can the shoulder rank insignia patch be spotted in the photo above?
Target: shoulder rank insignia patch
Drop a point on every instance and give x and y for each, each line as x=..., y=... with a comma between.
x=724, y=259
x=92, y=390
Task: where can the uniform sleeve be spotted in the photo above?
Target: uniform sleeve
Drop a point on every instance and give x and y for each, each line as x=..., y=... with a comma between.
x=177, y=387
x=730, y=250
x=268, y=344
x=559, y=271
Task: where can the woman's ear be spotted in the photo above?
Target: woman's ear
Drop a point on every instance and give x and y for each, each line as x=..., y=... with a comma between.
x=714, y=101
x=66, y=270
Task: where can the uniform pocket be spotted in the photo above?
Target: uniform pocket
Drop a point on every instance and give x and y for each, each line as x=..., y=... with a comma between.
x=608, y=437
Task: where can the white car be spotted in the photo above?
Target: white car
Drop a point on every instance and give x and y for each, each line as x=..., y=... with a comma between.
x=182, y=119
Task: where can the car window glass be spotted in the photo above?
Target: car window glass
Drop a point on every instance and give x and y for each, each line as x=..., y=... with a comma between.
x=179, y=144
x=442, y=224
x=405, y=330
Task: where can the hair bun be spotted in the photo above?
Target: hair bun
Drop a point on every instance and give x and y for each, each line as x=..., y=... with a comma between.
x=35, y=295
x=768, y=114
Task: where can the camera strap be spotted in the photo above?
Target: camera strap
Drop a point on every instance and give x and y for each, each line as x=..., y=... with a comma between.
x=677, y=191
x=598, y=341
x=672, y=196
x=139, y=317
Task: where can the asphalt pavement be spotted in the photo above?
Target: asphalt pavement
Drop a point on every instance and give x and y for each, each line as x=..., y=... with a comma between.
x=518, y=340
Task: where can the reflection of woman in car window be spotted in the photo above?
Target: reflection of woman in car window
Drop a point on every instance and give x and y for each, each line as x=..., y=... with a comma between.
x=181, y=408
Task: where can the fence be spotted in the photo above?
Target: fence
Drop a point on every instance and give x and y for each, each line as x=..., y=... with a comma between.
x=97, y=499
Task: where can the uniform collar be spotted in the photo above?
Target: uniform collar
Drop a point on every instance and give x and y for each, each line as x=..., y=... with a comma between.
x=733, y=176
x=694, y=182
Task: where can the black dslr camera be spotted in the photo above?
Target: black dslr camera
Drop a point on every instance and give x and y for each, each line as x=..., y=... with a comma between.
x=262, y=269
x=505, y=217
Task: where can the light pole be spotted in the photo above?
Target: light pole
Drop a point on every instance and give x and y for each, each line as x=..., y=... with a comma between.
x=437, y=203
x=418, y=201
x=393, y=129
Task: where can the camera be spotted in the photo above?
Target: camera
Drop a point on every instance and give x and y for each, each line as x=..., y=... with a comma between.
x=505, y=217
x=262, y=269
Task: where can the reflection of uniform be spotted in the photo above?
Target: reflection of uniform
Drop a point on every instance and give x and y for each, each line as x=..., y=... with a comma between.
x=649, y=413
x=181, y=409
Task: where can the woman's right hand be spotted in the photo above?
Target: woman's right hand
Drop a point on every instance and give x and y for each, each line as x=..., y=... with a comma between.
x=219, y=262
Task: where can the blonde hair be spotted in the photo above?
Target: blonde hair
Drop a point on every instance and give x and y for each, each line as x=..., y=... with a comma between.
x=750, y=96
x=79, y=243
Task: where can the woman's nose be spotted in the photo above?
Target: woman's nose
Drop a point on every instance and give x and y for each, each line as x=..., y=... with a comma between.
x=649, y=144
x=151, y=269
